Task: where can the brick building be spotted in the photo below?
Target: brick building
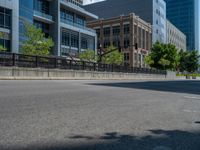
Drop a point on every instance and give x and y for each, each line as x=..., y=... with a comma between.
x=125, y=32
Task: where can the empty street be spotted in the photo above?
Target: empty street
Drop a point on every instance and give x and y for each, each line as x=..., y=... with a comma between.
x=100, y=115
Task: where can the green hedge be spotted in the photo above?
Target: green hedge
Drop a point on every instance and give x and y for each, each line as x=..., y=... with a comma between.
x=193, y=75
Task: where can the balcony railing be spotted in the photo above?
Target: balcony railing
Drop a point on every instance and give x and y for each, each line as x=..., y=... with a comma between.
x=77, y=25
x=43, y=15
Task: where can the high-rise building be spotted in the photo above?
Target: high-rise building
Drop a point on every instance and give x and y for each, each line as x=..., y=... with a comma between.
x=184, y=14
x=152, y=11
x=175, y=36
x=63, y=20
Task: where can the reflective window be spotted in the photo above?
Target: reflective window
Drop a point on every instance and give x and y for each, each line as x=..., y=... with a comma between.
x=80, y=20
x=5, y=18
x=41, y=6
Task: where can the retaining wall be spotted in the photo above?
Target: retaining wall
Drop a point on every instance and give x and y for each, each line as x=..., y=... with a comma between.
x=48, y=74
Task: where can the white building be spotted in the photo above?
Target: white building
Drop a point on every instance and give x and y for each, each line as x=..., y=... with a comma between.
x=175, y=36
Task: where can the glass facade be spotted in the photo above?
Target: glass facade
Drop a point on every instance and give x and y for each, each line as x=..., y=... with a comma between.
x=6, y=42
x=72, y=19
x=5, y=22
x=41, y=6
x=68, y=31
x=73, y=41
x=43, y=26
x=5, y=18
x=25, y=15
x=182, y=14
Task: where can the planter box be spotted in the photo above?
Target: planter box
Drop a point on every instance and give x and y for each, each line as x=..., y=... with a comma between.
x=194, y=77
x=188, y=77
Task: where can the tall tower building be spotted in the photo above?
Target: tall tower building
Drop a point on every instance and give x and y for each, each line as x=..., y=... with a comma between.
x=184, y=14
x=152, y=11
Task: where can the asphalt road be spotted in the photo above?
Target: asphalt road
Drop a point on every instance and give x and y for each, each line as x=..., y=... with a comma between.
x=100, y=115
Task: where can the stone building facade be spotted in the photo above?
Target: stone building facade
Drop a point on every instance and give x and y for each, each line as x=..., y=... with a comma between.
x=125, y=32
x=175, y=36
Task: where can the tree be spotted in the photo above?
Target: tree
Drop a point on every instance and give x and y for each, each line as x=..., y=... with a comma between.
x=189, y=61
x=36, y=43
x=114, y=57
x=1, y=46
x=163, y=56
x=88, y=55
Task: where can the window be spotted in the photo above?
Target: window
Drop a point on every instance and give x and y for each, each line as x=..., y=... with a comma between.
x=157, y=22
x=6, y=44
x=67, y=16
x=116, y=30
x=5, y=18
x=41, y=6
x=106, y=31
x=74, y=41
x=126, y=57
x=106, y=44
x=126, y=42
x=84, y=43
x=66, y=39
x=116, y=43
x=143, y=38
x=80, y=20
x=126, y=29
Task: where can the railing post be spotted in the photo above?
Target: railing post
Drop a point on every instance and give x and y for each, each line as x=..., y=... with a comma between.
x=112, y=68
x=36, y=61
x=13, y=59
x=83, y=65
x=70, y=64
x=94, y=66
x=55, y=63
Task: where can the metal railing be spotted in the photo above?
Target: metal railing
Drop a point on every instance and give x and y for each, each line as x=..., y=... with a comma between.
x=76, y=25
x=43, y=15
x=30, y=61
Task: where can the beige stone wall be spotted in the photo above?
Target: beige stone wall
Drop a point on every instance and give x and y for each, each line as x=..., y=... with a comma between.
x=55, y=74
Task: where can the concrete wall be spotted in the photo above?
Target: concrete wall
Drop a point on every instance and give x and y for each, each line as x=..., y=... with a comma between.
x=37, y=73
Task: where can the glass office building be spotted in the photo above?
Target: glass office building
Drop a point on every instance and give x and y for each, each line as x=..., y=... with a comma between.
x=25, y=15
x=9, y=19
x=184, y=15
x=63, y=20
x=5, y=23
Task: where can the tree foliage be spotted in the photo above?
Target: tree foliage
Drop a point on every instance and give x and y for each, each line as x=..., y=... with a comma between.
x=88, y=55
x=2, y=49
x=189, y=61
x=36, y=43
x=114, y=57
x=163, y=56
x=167, y=57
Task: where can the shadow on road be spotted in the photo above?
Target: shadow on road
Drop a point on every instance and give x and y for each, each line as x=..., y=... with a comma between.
x=190, y=87
x=156, y=140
